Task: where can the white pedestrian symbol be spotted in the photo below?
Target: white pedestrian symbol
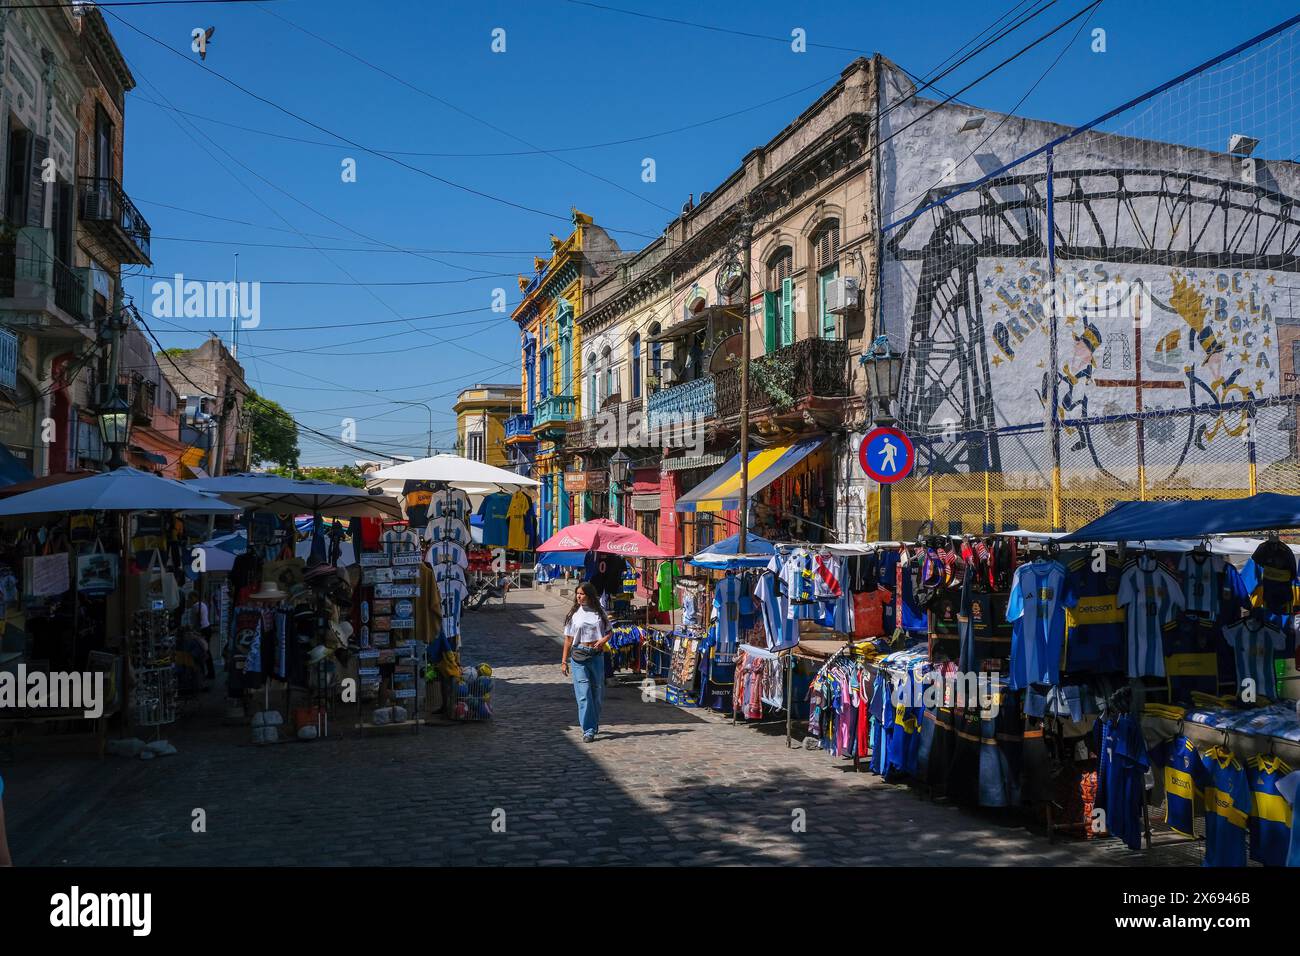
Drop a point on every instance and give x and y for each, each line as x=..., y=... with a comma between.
x=888, y=455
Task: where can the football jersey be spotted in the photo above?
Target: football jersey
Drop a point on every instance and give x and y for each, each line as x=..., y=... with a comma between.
x=1094, y=626
x=1191, y=656
x=1040, y=594
x=448, y=529
x=726, y=612
x=453, y=594
x=443, y=571
x=1254, y=644
x=1227, y=807
x=1122, y=777
x=1152, y=598
x=1289, y=788
x=394, y=542
x=797, y=576
x=447, y=552
x=782, y=632
x=452, y=502
x=1182, y=795
x=1270, y=812
x=1200, y=571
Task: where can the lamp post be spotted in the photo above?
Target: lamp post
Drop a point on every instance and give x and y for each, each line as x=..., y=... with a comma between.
x=428, y=452
x=884, y=369
x=115, y=414
x=618, y=473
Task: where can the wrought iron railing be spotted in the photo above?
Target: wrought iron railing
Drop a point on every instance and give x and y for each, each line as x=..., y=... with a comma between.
x=813, y=368
x=69, y=290
x=612, y=427
x=693, y=399
x=103, y=200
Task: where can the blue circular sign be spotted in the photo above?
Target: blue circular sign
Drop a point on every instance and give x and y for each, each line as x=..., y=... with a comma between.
x=886, y=454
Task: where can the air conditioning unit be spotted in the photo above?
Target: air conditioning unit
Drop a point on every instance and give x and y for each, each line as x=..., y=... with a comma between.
x=842, y=295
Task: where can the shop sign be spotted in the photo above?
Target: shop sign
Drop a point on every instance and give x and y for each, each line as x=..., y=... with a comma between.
x=374, y=559
x=406, y=558
x=376, y=575
x=575, y=481
x=887, y=455
x=410, y=573
x=397, y=590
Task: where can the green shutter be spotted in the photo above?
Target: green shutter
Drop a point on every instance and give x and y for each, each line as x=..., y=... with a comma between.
x=769, y=323
x=787, y=312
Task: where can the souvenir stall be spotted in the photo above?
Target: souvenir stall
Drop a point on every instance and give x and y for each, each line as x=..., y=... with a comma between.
x=436, y=496
x=90, y=581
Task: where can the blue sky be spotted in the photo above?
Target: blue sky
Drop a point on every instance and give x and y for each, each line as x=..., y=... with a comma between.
x=572, y=75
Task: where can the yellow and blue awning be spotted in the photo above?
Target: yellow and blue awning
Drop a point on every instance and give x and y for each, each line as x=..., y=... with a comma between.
x=721, y=490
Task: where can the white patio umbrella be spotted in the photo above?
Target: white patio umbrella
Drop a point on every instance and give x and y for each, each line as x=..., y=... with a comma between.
x=470, y=476
x=263, y=492
x=126, y=489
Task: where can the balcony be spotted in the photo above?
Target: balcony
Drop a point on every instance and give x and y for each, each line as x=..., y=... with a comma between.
x=551, y=414
x=44, y=295
x=614, y=426
x=808, y=377
x=687, y=401
x=519, y=428
x=111, y=216
x=143, y=394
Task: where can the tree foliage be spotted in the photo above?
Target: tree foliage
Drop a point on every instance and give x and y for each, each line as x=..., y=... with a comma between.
x=275, y=433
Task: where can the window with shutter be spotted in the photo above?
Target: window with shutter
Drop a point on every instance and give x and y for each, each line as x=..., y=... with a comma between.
x=36, y=192
x=828, y=244
x=787, y=312
x=779, y=266
x=769, y=323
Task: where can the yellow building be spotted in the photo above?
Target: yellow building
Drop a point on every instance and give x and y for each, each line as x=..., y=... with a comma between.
x=481, y=415
x=551, y=359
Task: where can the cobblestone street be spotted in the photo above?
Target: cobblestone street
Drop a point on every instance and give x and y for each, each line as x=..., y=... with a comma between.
x=661, y=785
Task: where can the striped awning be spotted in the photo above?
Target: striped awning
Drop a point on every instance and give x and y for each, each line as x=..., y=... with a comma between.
x=721, y=490
x=695, y=461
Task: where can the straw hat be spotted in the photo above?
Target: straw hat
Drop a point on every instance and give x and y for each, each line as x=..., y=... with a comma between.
x=270, y=591
x=317, y=654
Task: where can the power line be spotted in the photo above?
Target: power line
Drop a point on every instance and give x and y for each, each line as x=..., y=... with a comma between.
x=326, y=282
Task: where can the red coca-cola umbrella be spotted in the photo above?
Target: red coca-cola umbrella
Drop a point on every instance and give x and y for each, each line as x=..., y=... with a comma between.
x=606, y=537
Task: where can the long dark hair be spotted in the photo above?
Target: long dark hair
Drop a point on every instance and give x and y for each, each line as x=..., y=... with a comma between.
x=589, y=589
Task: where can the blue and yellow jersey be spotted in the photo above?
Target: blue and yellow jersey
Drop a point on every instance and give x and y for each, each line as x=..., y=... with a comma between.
x=1191, y=657
x=1227, y=807
x=1270, y=815
x=1182, y=796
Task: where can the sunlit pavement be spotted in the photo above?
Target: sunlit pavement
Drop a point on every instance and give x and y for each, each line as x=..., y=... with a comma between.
x=660, y=785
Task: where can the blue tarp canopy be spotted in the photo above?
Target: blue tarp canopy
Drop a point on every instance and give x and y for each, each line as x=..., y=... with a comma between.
x=1143, y=520
x=723, y=555
x=563, y=559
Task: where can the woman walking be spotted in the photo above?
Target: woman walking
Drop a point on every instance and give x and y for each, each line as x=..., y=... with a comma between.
x=586, y=632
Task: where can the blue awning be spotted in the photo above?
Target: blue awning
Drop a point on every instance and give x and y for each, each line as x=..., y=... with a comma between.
x=1151, y=520
x=724, y=555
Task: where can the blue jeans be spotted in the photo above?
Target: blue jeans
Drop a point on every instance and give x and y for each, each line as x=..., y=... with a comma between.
x=589, y=686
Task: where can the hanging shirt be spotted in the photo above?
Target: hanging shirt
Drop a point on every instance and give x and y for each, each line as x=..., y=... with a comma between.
x=1289, y=789
x=1121, y=776
x=1227, y=808
x=496, y=523
x=1036, y=607
x=1094, y=627
x=797, y=577
x=1270, y=812
x=517, y=536
x=448, y=529
x=448, y=552
x=1181, y=792
x=394, y=542
x=1191, y=657
x=668, y=575
x=416, y=497
x=1200, y=571
x=726, y=612
x=452, y=502
x=453, y=594
x=908, y=614
x=455, y=572
x=1152, y=598
x=1254, y=645
x=782, y=632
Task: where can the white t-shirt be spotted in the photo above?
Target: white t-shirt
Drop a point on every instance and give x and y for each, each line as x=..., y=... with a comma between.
x=585, y=627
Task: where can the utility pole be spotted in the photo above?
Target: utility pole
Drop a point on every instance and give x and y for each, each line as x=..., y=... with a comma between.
x=746, y=239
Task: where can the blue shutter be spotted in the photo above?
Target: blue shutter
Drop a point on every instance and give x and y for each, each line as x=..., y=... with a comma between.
x=787, y=312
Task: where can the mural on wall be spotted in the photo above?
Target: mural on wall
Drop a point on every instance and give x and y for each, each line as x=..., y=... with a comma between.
x=1168, y=293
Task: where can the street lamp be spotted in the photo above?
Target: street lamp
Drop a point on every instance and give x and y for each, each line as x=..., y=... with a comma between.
x=428, y=451
x=115, y=428
x=619, y=464
x=884, y=368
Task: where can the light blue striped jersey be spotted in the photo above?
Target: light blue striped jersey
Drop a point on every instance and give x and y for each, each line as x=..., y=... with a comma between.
x=1254, y=644
x=782, y=631
x=1200, y=571
x=1040, y=593
x=726, y=613
x=453, y=502
x=1152, y=598
x=448, y=529
x=447, y=552
x=453, y=594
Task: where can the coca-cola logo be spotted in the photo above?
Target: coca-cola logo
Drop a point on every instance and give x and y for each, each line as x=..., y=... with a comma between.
x=570, y=542
x=625, y=548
